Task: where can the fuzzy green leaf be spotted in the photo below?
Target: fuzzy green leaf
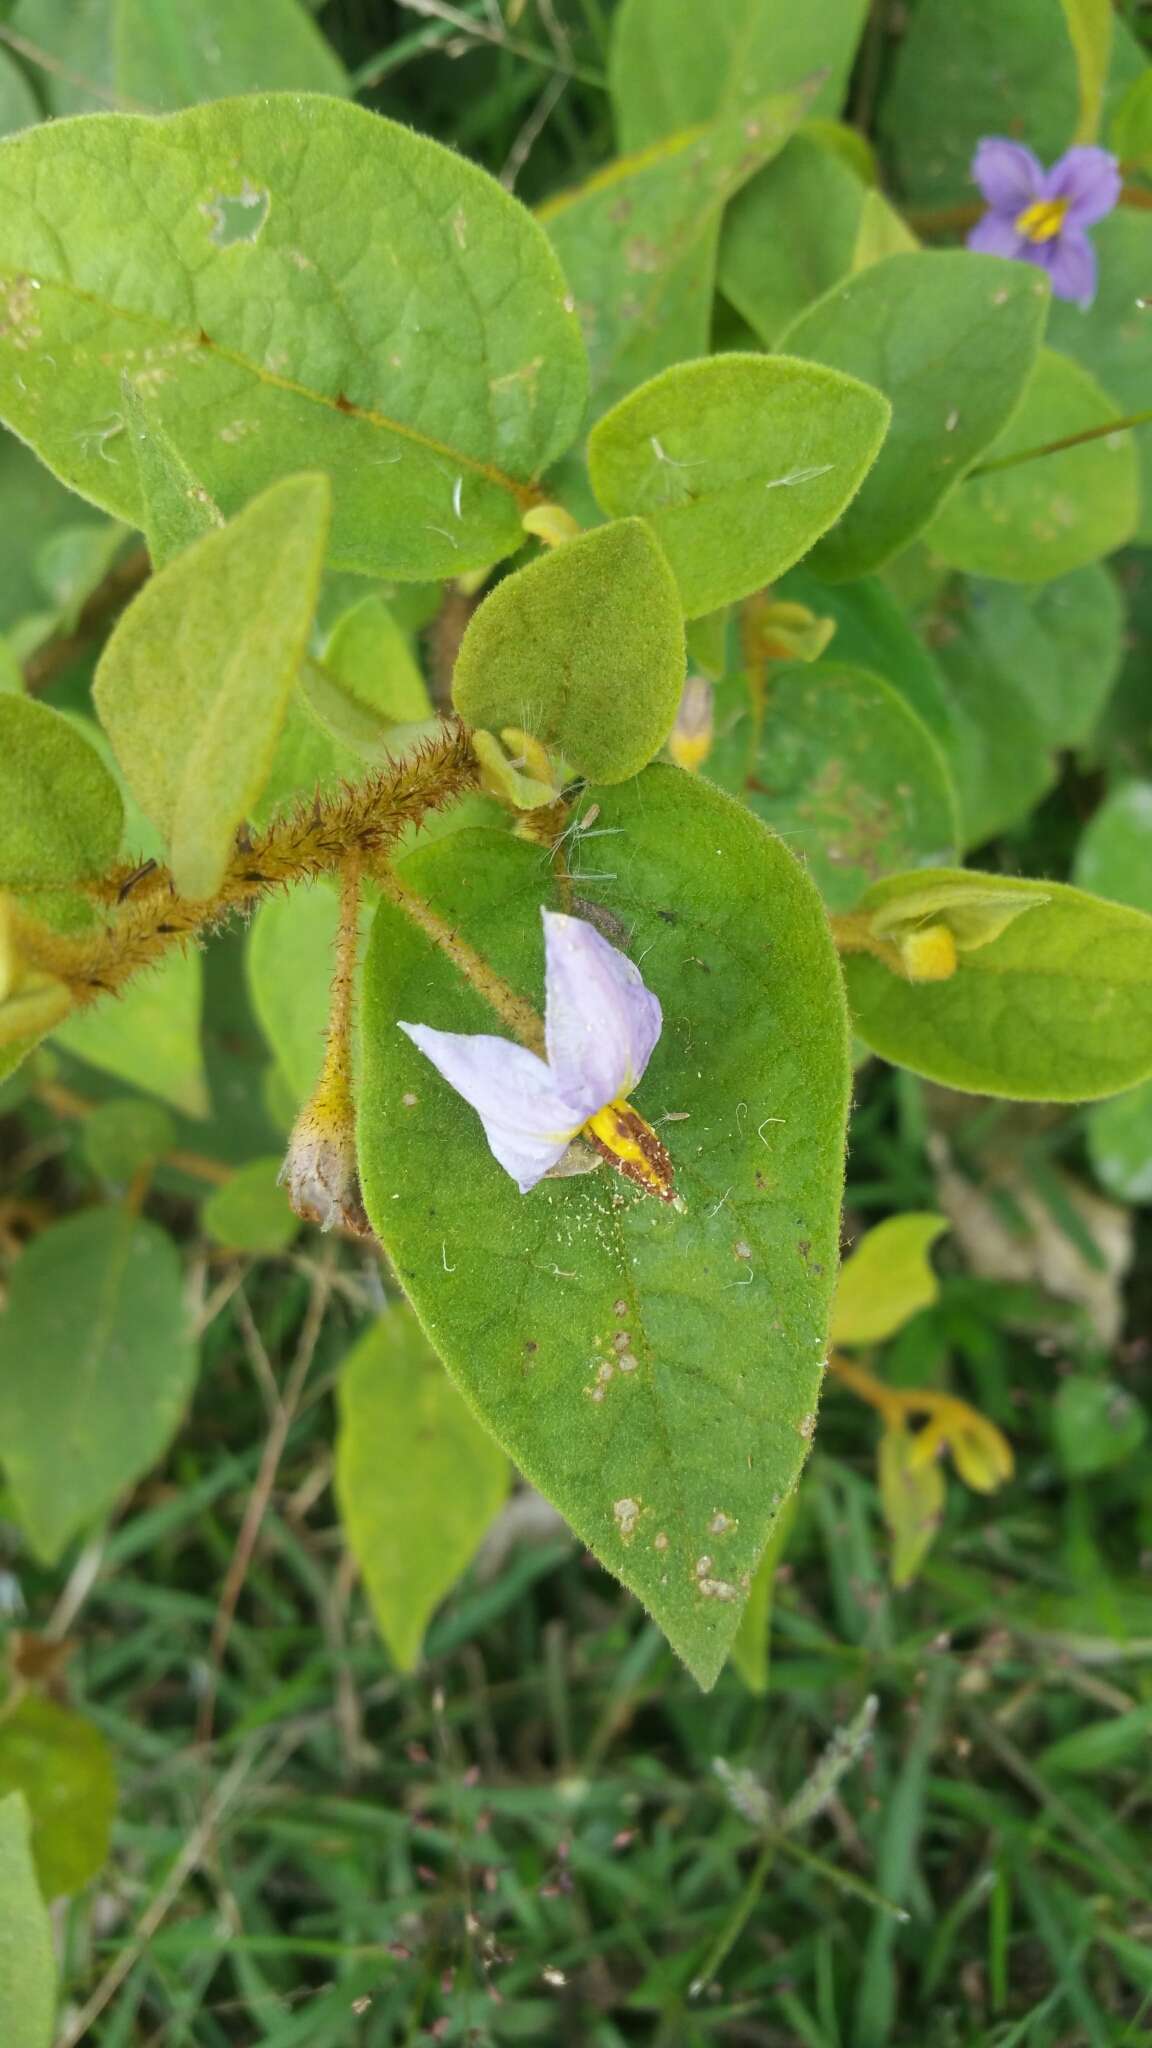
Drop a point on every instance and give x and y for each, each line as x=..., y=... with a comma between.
x=789, y=236
x=63, y=1766
x=1119, y=1136
x=1058, y=645
x=998, y=752
x=175, y=507
x=96, y=1365
x=171, y=53
x=250, y=1213
x=150, y=1036
x=193, y=686
x=739, y=463
x=887, y=1279
x=60, y=811
x=418, y=1479
x=638, y=242
x=19, y=107
x=27, y=1958
x=873, y=632
x=123, y=1135
x=1110, y=337
x=654, y=1372
x=584, y=649
x=1114, y=857
x=299, y=284
x=673, y=63
x=1058, y=1008
x=845, y=771
x=1041, y=518
x=950, y=338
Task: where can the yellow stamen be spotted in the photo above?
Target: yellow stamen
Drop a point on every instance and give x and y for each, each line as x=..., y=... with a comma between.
x=1043, y=220
x=621, y=1135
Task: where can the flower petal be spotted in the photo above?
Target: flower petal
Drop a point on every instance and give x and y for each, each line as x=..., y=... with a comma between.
x=600, y=1022
x=1008, y=175
x=995, y=235
x=526, y=1120
x=1089, y=181
x=1071, y=263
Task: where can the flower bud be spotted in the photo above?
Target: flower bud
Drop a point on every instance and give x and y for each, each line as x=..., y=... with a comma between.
x=928, y=954
x=690, y=740
x=551, y=524
x=319, y=1170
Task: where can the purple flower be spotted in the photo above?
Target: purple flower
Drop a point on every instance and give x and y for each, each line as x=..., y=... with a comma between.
x=1040, y=216
x=600, y=1026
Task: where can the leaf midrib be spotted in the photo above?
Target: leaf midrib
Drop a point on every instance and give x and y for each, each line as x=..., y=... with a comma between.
x=524, y=493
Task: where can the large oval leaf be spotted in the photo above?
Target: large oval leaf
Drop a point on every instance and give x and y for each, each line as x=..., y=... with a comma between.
x=297, y=284
x=655, y=1373
x=1057, y=1008
x=674, y=62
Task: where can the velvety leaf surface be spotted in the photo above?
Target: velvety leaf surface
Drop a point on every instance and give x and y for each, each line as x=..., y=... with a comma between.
x=998, y=752
x=1114, y=857
x=64, y=1768
x=418, y=1479
x=193, y=685
x=673, y=63
x=34, y=506
x=950, y=338
x=874, y=632
x=964, y=70
x=150, y=1036
x=171, y=53
x=887, y=1279
x=789, y=236
x=175, y=508
x=97, y=1303
x=739, y=463
x=846, y=773
x=1119, y=1136
x=584, y=648
x=1060, y=643
x=1110, y=337
x=1057, y=1009
x=60, y=811
x=27, y=1959
x=1039, y=519
x=249, y=1213
x=638, y=242
x=299, y=284
x=654, y=1372
x=369, y=654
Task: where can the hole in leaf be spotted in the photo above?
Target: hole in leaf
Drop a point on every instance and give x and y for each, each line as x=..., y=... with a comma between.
x=238, y=216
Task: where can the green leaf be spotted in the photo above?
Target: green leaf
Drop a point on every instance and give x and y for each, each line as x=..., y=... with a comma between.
x=950, y=338
x=290, y=959
x=78, y=35
x=673, y=63
x=64, y=1768
x=1041, y=518
x=372, y=658
x=34, y=505
x=175, y=509
x=1110, y=337
x=654, y=1372
x=789, y=236
x=122, y=1136
x=1096, y=1424
x=418, y=1479
x=584, y=649
x=1114, y=857
x=193, y=685
x=873, y=632
x=60, y=811
x=250, y=1213
x=1119, y=1135
x=638, y=242
x=1089, y=25
x=27, y=1959
x=1056, y=1009
x=1059, y=645
x=751, y=1645
x=96, y=1366
x=412, y=340
x=912, y=1495
x=171, y=53
x=739, y=463
x=1130, y=133
x=845, y=772
x=964, y=70
x=150, y=1036
x=73, y=562
x=887, y=1280
x=997, y=750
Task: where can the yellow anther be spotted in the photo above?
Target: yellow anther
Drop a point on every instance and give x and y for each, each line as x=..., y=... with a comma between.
x=629, y=1144
x=1043, y=220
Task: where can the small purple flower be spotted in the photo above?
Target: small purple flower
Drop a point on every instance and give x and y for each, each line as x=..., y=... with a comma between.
x=600, y=1026
x=1040, y=216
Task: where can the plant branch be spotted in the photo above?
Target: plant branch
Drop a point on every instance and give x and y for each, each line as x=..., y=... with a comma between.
x=105, y=603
